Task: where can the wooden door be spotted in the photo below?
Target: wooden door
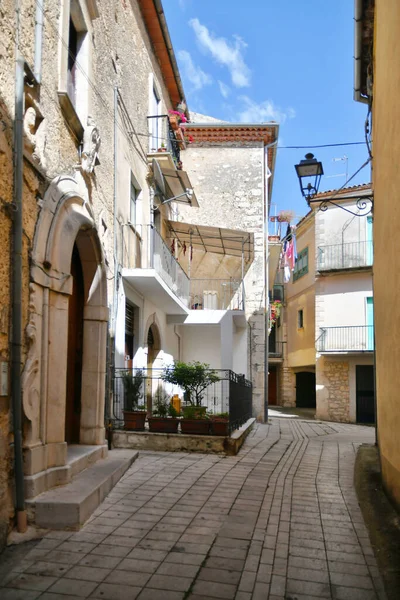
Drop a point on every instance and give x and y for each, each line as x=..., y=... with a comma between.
x=272, y=387
x=75, y=347
x=365, y=399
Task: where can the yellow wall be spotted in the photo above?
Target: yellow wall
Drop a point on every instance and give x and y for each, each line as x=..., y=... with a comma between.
x=300, y=295
x=386, y=183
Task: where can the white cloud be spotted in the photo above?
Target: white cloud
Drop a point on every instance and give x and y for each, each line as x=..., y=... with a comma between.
x=253, y=112
x=224, y=89
x=197, y=77
x=225, y=53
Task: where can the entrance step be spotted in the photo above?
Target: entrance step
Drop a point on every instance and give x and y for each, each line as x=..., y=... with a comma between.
x=79, y=457
x=69, y=506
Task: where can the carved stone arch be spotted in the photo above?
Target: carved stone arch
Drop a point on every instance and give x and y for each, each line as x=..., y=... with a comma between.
x=65, y=221
x=154, y=323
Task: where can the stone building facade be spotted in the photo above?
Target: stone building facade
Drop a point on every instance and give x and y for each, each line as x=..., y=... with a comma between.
x=87, y=98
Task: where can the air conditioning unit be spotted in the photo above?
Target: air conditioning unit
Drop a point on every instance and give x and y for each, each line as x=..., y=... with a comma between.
x=210, y=300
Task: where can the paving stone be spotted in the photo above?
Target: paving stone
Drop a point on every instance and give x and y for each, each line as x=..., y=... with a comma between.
x=128, y=578
x=73, y=587
x=26, y=581
x=310, y=588
x=220, y=575
x=214, y=589
x=166, y=582
x=112, y=591
x=88, y=573
x=104, y=562
x=106, y=550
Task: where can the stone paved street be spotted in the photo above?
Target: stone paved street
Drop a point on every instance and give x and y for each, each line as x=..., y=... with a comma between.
x=278, y=521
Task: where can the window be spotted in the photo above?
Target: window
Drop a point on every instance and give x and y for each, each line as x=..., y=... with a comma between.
x=129, y=330
x=301, y=266
x=300, y=319
x=154, y=123
x=133, y=206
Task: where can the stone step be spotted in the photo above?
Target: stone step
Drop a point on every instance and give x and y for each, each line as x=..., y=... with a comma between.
x=69, y=506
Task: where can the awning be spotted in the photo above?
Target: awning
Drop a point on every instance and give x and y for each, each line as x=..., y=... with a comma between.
x=214, y=239
x=178, y=182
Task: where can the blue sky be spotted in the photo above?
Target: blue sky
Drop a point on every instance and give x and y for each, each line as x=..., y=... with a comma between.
x=287, y=61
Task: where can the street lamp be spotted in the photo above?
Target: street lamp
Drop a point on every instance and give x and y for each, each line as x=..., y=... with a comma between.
x=309, y=172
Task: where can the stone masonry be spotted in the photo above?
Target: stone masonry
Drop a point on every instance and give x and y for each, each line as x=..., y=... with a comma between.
x=334, y=376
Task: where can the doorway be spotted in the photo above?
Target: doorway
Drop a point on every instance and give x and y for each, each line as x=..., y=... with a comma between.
x=272, y=386
x=153, y=348
x=305, y=390
x=75, y=352
x=365, y=397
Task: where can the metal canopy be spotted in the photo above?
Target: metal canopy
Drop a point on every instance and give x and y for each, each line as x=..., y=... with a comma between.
x=233, y=242
x=178, y=181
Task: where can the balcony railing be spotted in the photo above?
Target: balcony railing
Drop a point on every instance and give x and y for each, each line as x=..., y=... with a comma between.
x=346, y=339
x=166, y=265
x=216, y=294
x=352, y=255
x=275, y=349
x=162, y=138
x=231, y=394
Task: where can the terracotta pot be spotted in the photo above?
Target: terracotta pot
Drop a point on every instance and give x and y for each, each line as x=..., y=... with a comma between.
x=134, y=420
x=163, y=424
x=173, y=119
x=220, y=426
x=195, y=426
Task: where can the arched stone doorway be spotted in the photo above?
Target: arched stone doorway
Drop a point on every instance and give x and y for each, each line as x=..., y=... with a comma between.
x=66, y=256
x=153, y=344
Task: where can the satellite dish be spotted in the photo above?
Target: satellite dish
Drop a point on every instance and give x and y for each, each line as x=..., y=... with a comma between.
x=159, y=178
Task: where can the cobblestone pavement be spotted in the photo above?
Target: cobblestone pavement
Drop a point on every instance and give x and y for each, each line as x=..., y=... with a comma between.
x=278, y=521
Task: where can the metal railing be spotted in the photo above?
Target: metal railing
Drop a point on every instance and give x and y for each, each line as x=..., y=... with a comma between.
x=346, y=339
x=166, y=265
x=275, y=349
x=231, y=394
x=162, y=138
x=351, y=255
x=216, y=294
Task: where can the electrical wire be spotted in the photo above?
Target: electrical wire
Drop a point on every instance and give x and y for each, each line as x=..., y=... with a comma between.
x=321, y=146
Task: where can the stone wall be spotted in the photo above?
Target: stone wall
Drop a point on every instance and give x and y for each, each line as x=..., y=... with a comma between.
x=333, y=390
x=228, y=180
x=287, y=386
x=120, y=54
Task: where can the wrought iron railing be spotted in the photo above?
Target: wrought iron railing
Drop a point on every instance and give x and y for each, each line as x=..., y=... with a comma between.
x=351, y=255
x=216, y=294
x=275, y=349
x=346, y=339
x=166, y=265
x=162, y=138
x=231, y=394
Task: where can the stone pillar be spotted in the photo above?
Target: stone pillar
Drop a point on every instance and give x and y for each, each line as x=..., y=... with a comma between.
x=333, y=390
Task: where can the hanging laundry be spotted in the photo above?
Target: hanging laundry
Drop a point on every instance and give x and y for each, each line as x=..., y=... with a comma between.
x=173, y=247
x=184, y=248
x=191, y=252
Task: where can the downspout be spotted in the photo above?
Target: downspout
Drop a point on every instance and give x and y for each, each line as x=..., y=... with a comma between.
x=16, y=262
x=38, y=40
x=115, y=221
x=266, y=175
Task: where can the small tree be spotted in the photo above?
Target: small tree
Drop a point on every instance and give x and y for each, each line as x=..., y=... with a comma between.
x=193, y=377
x=132, y=389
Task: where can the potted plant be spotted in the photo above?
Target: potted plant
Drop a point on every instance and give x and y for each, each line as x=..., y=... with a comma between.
x=220, y=424
x=162, y=148
x=165, y=417
x=193, y=378
x=134, y=413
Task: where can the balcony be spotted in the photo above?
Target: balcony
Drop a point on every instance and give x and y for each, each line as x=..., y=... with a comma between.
x=346, y=339
x=275, y=349
x=165, y=283
x=216, y=294
x=164, y=142
x=352, y=255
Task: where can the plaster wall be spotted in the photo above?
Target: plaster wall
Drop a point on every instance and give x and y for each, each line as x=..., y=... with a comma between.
x=341, y=299
x=202, y=343
x=386, y=184
x=336, y=226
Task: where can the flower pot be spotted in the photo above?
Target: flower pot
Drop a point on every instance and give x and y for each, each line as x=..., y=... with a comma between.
x=134, y=420
x=163, y=424
x=220, y=426
x=174, y=122
x=195, y=426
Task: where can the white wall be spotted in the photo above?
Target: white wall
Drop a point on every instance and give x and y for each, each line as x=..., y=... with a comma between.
x=239, y=359
x=341, y=299
x=202, y=343
x=336, y=226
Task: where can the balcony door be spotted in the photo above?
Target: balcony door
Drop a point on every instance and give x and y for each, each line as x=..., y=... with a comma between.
x=370, y=323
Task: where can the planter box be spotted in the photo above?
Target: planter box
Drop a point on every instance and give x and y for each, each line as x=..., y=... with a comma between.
x=195, y=426
x=134, y=420
x=163, y=425
x=174, y=122
x=220, y=427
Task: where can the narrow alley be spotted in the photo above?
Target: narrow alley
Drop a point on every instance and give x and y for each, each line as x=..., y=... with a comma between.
x=280, y=521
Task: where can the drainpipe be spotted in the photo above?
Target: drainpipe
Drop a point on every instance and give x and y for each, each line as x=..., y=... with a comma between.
x=267, y=174
x=38, y=40
x=16, y=262
x=115, y=221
